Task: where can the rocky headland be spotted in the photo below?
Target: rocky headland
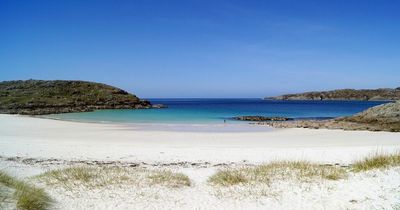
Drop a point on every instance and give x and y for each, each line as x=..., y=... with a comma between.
x=384, y=117
x=39, y=97
x=383, y=94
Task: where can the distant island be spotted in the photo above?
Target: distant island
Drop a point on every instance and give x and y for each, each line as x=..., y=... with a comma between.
x=39, y=97
x=383, y=94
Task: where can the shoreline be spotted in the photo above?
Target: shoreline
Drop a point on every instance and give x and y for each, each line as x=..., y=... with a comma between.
x=232, y=126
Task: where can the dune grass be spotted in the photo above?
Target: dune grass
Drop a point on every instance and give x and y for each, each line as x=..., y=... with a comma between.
x=169, y=178
x=91, y=177
x=299, y=170
x=377, y=161
x=228, y=177
x=88, y=176
x=26, y=196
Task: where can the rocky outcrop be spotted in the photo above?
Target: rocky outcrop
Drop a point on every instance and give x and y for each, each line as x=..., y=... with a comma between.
x=159, y=106
x=38, y=97
x=261, y=118
x=345, y=94
x=384, y=117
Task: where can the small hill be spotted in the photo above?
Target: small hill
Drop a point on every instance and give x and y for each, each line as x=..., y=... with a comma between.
x=383, y=94
x=38, y=97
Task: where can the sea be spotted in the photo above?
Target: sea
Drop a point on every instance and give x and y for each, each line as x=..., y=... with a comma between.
x=197, y=111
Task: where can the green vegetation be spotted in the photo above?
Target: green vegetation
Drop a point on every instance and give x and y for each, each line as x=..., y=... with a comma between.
x=168, y=178
x=299, y=170
x=228, y=177
x=26, y=196
x=377, y=161
x=36, y=97
x=103, y=176
x=90, y=176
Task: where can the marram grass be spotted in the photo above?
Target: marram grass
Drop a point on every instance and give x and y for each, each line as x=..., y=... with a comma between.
x=299, y=170
x=92, y=177
x=170, y=179
x=377, y=161
x=27, y=197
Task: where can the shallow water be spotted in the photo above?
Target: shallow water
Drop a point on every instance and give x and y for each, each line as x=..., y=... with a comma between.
x=216, y=111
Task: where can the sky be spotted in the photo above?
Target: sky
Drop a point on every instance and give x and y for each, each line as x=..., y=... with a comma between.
x=204, y=48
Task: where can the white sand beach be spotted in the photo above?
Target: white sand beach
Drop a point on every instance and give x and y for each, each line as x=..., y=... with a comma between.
x=30, y=146
x=44, y=138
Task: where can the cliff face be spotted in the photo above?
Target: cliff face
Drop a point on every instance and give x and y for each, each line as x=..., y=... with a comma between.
x=37, y=97
x=345, y=94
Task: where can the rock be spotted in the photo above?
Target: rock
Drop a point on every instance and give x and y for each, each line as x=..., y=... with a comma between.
x=261, y=118
x=384, y=117
x=159, y=106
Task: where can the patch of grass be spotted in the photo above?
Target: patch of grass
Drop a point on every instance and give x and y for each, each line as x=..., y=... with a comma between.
x=27, y=196
x=228, y=177
x=89, y=176
x=104, y=176
x=299, y=170
x=168, y=178
x=302, y=170
x=377, y=161
x=82, y=174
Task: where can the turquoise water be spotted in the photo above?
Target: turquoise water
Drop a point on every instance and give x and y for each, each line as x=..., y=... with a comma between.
x=206, y=111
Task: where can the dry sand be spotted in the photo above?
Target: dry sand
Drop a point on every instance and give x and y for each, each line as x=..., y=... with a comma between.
x=199, y=155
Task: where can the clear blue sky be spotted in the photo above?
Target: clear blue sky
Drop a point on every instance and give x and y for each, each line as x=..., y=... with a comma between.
x=204, y=48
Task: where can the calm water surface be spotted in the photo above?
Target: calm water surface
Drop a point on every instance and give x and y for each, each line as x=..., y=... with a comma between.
x=215, y=111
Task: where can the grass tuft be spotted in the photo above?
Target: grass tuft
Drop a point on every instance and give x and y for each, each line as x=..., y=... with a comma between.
x=103, y=176
x=81, y=174
x=228, y=177
x=168, y=178
x=89, y=176
x=377, y=161
x=300, y=170
x=27, y=196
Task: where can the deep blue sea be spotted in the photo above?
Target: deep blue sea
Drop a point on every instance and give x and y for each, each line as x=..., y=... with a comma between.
x=199, y=111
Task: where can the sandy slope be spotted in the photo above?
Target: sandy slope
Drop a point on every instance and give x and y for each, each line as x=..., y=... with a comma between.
x=43, y=139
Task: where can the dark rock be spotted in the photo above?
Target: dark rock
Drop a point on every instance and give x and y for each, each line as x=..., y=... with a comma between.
x=261, y=118
x=159, y=106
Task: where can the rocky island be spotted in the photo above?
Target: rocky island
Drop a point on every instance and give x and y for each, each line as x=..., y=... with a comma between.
x=39, y=97
x=383, y=94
